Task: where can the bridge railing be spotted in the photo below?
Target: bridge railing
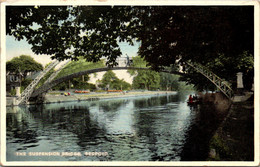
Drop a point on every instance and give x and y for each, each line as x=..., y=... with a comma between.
x=222, y=85
x=53, y=75
x=123, y=61
x=30, y=88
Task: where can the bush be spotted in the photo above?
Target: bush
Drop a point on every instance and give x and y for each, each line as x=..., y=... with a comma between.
x=13, y=92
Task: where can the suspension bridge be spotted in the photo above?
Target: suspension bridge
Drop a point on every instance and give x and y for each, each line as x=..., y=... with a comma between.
x=124, y=63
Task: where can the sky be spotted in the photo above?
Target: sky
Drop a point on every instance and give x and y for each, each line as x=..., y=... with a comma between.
x=16, y=48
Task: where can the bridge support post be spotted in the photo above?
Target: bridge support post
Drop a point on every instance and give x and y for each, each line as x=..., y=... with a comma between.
x=253, y=87
x=240, y=85
x=14, y=101
x=18, y=91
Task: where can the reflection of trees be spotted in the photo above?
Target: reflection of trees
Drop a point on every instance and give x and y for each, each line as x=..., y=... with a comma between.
x=54, y=119
x=19, y=129
x=154, y=126
x=201, y=131
x=146, y=102
x=154, y=101
x=75, y=119
x=158, y=128
x=110, y=106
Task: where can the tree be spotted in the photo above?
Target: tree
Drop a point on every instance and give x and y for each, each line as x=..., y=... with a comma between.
x=111, y=81
x=65, y=32
x=149, y=80
x=23, y=64
x=166, y=33
x=227, y=68
x=169, y=81
x=144, y=79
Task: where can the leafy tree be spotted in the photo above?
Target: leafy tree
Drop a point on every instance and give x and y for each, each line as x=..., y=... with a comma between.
x=207, y=31
x=25, y=83
x=23, y=64
x=138, y=62
x=80, y=65
x=144, y=79
x=74, y=67
x=198, y=80
x=166, y=33
x=81, y=82
x=226, y=67
x=59, y=29
x=111, y=81
x=108, y=78
x=78, y=83
x=169, y=81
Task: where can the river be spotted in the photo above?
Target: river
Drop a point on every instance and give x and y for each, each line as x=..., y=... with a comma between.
x=145, y=128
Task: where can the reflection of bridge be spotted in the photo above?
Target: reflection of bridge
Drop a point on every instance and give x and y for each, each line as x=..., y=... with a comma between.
x=123, y=64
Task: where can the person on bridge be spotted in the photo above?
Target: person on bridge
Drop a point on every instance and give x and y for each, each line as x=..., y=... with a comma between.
x=127, y=60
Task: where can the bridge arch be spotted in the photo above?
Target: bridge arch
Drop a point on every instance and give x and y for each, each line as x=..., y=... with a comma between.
x=222, y=85
x=55, y=82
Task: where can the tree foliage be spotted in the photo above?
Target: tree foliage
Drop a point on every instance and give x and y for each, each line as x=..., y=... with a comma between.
x=202, y=34
x=144, y=79
x=111, y=81
x=82, y=81
x=138, y=62
x=149, y=80
x=227, y=68
x=80, y=65
x=23, y=64
x=169, y=81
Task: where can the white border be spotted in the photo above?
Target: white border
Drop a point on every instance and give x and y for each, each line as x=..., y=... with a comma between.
x=2, y=84
x=256, y=81
x=129, y=2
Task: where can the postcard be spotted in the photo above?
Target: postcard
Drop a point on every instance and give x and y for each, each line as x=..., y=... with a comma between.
x=129, y=83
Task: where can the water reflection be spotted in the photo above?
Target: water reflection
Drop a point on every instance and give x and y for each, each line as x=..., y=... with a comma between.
x=152, y=128
x=203, y=127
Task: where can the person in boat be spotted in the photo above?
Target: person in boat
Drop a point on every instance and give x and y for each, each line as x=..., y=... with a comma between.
x=195, y=97
x=190, y=99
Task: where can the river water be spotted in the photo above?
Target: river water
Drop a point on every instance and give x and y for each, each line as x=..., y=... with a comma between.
x=147, y=128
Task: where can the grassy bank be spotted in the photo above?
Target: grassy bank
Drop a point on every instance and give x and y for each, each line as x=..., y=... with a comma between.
x=234, y=139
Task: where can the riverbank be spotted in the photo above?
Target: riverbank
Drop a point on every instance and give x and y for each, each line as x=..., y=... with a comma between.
x=96, y=96
x=210, y=114
x=234, y=139
x=58, y=98
x=224, y=130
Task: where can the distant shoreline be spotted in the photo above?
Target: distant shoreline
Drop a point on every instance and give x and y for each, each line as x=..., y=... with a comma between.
x=97, y=96
x=58, y=98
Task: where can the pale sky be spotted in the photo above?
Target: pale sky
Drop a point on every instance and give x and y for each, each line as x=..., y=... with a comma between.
x=16, y=48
